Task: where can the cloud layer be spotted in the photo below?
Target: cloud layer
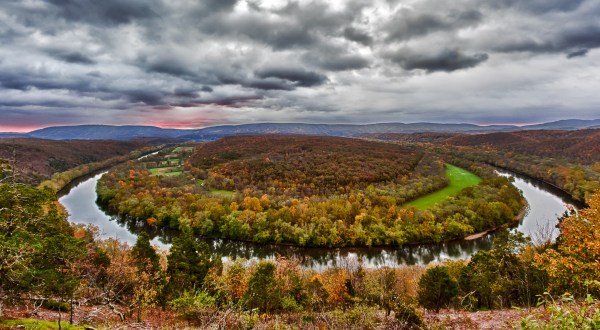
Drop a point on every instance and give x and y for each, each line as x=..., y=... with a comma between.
x=187, y=63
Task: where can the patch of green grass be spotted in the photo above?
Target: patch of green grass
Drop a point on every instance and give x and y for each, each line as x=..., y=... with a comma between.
x=180, y=149
x=160, y=169
x=459, y=179
x=200, y=182
x=167, y=171
x=171, y=173
x=222, y=193
x=39, y=325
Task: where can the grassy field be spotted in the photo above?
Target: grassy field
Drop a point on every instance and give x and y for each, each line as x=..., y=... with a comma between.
x=222, y=193
x=459, y=179
x=170, y=165
x=38, y=325
x=167, y=171
x=171, y=173
x=181, y=149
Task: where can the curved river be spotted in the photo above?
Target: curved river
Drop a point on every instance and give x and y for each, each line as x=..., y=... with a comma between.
x=546, y=204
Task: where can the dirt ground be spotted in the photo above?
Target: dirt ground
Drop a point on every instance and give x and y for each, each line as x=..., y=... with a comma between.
x=103, y=318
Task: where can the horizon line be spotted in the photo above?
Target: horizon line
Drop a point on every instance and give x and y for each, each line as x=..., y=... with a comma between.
x=17, y=131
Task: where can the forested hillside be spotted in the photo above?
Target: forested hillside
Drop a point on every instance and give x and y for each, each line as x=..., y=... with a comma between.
x=569, y=160
x=303, y=165
x=37, y=159
x=581, y=146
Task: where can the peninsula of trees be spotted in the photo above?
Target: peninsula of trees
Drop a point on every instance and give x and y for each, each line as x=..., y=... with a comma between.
x=309, y=191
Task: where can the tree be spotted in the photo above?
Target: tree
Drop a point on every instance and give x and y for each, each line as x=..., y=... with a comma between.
x=504, y=276
x=436, y=288
x=144, y=255
x=54, y=272
x=188, y=264
x=37, y=247
x=262, y=293
x=573, y=265
x=150, y=279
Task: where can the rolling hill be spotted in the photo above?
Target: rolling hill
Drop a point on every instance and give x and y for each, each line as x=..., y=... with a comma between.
x=38, y=159
x=108, y=132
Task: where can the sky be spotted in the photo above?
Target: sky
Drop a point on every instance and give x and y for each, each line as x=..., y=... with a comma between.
x=194, y=63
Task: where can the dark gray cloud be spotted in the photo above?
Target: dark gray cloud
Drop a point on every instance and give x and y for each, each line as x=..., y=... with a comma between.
x=105, y=12
x=438, y=60
x=407, y=24
x=22, y=79
x=568, y=39
x=337, y=62
x=271, y=84
x=357, y=35
x=299, y=77
x=540, y=6
x=71, y=57
x=333, y=58
x=245, y=60
x=228, y=101
x=578, y=53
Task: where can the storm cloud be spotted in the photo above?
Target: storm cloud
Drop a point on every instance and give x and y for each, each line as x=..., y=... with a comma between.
x=183, y=63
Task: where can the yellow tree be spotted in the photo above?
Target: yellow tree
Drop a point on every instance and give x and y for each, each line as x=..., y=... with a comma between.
x=574, y=265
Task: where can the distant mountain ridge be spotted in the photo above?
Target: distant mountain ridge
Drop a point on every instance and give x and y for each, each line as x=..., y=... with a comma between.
x=98, y=132
x=568, y=124
x=103, y=132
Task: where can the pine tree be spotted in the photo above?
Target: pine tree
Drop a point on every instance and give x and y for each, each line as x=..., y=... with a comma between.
x=262, y=291
x=436, y=288
x=146, y=258
x=188, y=264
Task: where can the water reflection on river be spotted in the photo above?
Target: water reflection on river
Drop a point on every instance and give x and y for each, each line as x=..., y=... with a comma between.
x=545, y=205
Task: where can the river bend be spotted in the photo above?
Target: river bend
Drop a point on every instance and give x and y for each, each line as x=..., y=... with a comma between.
x=545, y=206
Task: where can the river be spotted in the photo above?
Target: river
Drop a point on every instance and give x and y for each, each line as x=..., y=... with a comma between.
x=546, y=204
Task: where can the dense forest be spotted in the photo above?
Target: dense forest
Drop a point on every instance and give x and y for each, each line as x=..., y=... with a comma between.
x=569, y=160
x=310, y=191
x=38, y=159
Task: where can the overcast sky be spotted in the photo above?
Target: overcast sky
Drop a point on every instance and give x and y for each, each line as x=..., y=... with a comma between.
x=193, y=63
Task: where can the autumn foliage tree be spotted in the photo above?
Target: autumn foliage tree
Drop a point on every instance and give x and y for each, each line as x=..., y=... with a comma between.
x=574, y=264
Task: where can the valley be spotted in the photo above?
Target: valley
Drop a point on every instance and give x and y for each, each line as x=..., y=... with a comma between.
x=352, y=217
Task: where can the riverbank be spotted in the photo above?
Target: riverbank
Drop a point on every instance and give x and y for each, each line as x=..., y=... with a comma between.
x=558, y=190
x=518, y=218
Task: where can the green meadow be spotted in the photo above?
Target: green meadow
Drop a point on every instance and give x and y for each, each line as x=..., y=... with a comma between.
x=222, y=193
x=459, y=179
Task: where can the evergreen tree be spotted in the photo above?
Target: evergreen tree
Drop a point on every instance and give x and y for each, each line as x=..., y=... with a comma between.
x=38, y=253
x=188, y=264
x=436, y=288
x=146, y=258
x=262, y=292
